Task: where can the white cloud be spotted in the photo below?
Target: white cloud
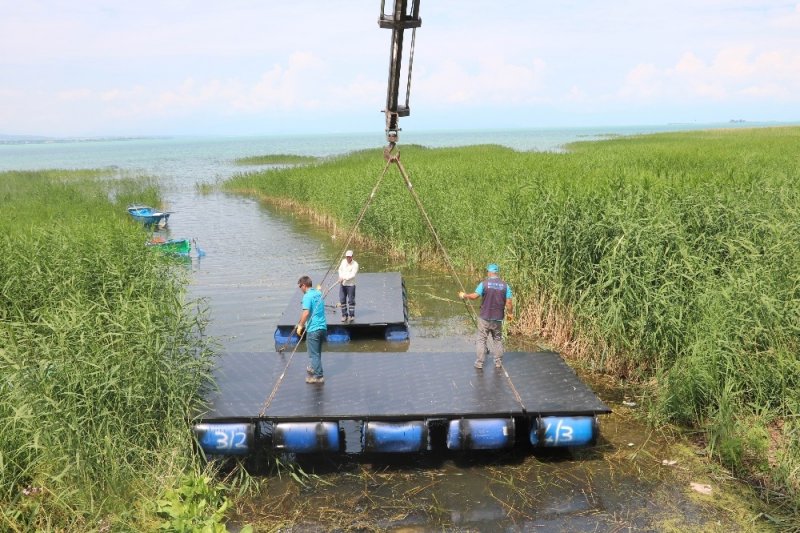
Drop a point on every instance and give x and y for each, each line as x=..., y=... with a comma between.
x=110, y=65
x=733, y=73
x=490, y=81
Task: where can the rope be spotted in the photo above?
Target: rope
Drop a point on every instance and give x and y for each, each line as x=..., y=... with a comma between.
x=514, y=389
x=274, y=391
x=277, y=385
x=360, y=217
x=358, y=220
x=396, y=159
x=410, y=64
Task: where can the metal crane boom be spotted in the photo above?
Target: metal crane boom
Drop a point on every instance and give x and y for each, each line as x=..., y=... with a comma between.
x=400, y=19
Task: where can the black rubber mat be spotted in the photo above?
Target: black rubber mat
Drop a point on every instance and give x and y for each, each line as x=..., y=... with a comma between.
x=396, y=386
x=548, y=386
x=380, y=300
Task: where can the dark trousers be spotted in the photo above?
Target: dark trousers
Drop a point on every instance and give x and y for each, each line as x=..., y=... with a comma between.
x=347, y=299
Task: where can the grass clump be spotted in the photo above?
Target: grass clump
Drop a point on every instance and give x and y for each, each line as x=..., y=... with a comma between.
x=672, y=260
x=101, y=357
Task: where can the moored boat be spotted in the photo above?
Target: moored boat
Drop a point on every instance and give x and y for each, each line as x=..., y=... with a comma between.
x=148, y=216
x=180, y=247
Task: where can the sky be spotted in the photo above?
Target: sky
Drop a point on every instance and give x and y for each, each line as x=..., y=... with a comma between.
x=179, y=67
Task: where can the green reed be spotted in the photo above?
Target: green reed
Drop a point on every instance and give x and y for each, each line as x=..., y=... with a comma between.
x=101, y=356
x=672, y=259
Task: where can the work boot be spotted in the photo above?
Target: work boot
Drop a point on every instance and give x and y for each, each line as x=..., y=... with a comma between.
x=498, y=363
x=309, y=371
x=315, y=379
x=479, y=365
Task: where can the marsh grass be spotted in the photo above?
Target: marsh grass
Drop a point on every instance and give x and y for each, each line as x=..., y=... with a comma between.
x=101, y=357
x=671, y=260
x=276, y=159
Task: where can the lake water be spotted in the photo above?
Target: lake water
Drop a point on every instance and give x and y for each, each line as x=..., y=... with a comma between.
x=255, y=254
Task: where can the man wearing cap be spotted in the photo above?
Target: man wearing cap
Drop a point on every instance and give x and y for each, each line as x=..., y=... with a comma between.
x=312, y=319
x=496, y=304
x=347, y=288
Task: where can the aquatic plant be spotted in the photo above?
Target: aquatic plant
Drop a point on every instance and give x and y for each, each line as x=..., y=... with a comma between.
x=101, y=357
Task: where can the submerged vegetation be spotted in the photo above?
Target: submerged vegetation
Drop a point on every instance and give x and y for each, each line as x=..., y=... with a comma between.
x=101, y=358
x=669, y=260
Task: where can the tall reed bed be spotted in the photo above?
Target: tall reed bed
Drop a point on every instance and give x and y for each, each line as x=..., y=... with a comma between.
x=672, y=259
x=101, y=357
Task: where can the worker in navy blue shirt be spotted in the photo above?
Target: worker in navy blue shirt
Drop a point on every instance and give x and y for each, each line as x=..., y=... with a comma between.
x=495, y=306
x=314, y=315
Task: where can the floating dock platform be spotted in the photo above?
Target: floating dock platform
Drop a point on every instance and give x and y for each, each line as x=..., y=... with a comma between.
x=402, y=402
x=381, y=309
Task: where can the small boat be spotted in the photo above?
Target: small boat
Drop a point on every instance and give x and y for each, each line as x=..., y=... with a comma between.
x=148, y=216
x=181, y=247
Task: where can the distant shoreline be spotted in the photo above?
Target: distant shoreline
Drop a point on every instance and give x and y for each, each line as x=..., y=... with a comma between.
x=11, y=139
x=41, y=139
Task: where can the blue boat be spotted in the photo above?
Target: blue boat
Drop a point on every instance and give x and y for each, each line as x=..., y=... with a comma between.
x=148, y=216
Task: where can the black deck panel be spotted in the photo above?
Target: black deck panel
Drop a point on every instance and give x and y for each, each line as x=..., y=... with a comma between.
x=379, y=300
x=408, y=386
x=548, y=386
x=244, y=381
x=404, y=386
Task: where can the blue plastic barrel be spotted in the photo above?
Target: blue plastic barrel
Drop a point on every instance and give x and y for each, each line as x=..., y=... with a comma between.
x=337, y=335
x=396, y=333
x=306, y=437
x=553, y=431
x=225, y=439
x=284, y=336
x=394, y=437
x=480, y=434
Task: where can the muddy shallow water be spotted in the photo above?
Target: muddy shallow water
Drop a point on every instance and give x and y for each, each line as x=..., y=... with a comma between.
x=634, y=479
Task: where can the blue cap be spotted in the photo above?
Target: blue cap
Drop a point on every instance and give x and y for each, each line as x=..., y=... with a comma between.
x=493, y=268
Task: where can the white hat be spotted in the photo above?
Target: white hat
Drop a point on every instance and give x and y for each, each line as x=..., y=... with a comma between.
x=348, y=253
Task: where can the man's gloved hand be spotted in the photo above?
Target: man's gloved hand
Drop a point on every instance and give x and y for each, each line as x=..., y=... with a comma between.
x=461, y=294
x=299, y=328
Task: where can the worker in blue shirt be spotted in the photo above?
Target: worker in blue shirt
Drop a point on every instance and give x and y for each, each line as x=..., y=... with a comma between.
x=495, y=306
x=314, y=315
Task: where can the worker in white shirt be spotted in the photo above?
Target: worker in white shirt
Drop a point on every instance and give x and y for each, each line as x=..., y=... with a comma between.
x=347, y=288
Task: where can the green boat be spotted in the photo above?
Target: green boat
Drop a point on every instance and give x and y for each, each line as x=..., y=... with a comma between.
x=180, y=247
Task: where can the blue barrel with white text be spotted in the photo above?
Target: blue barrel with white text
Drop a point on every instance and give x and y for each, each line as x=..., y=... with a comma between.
x=555, y=431
x=225, y=439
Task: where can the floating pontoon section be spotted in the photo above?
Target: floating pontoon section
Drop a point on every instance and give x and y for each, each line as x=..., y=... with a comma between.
x=381, y=309
x=395, y=398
